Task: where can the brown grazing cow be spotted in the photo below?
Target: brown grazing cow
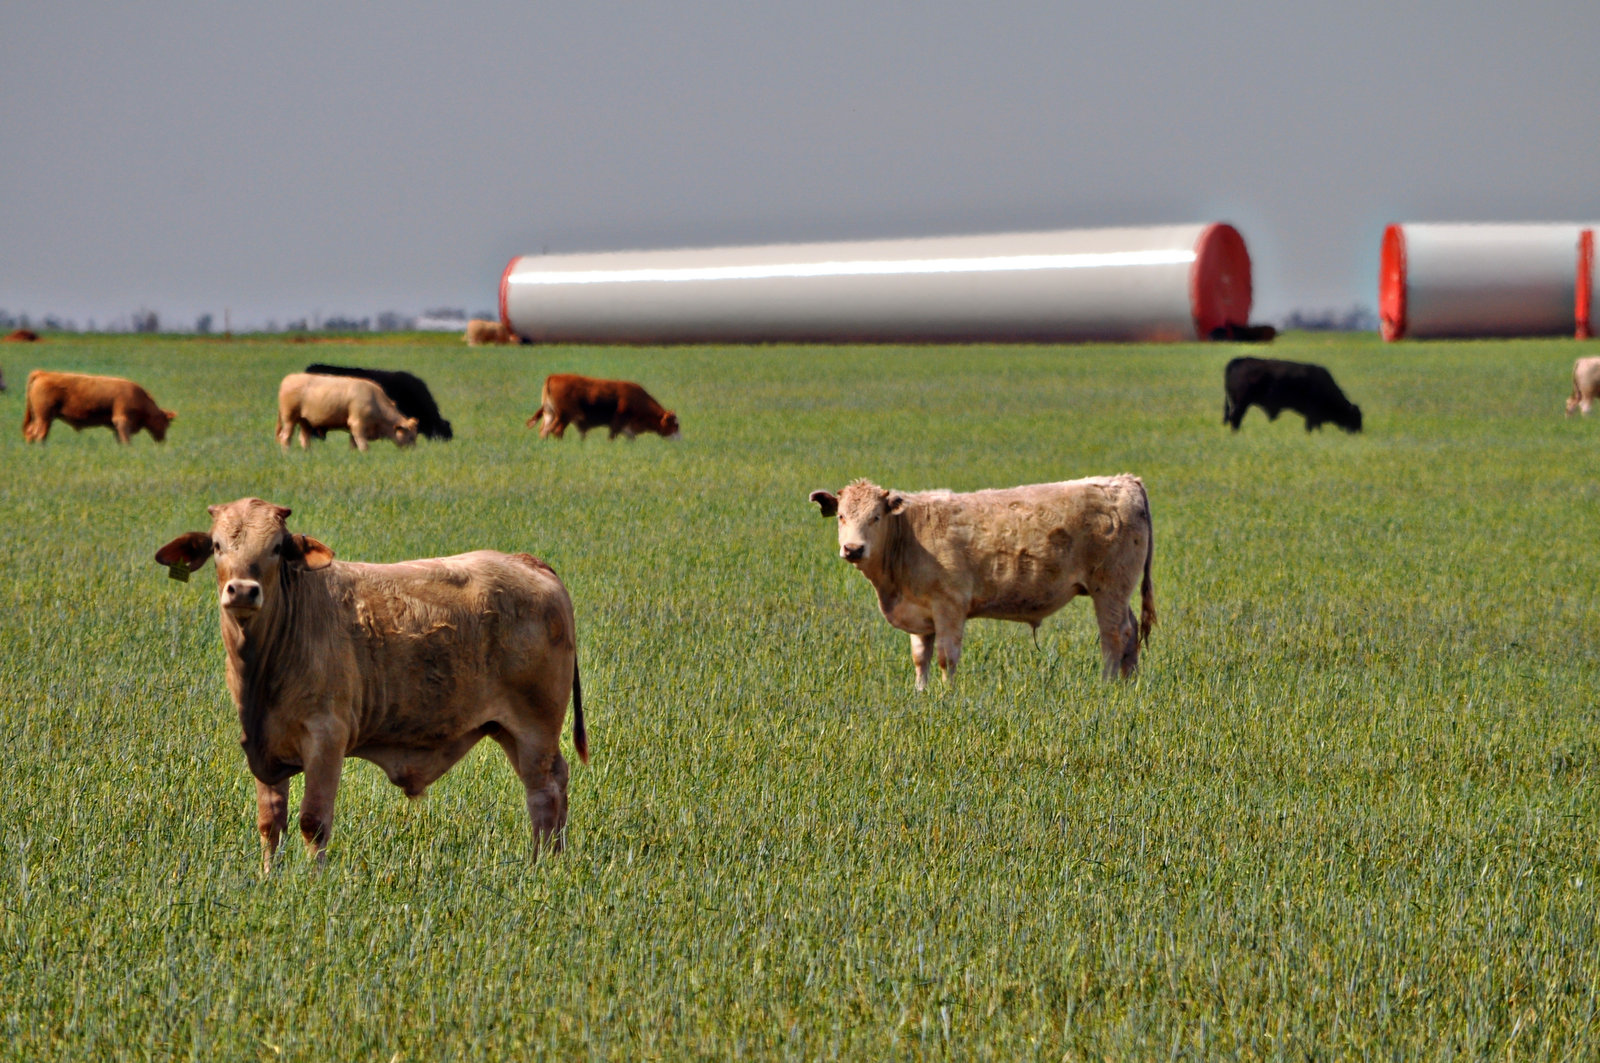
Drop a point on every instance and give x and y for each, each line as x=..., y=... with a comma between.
x=319, y=404
x=480, y=332
x=85, y=401
x=937, y=559
x=1585, y=385
x=585, y=402
x=21, y=335
x=406, y=665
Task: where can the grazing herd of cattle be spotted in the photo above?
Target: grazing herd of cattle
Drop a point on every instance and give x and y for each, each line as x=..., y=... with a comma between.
x=410, y=665
x=368, y=403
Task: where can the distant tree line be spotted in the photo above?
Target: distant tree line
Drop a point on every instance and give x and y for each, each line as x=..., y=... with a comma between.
x=1355, y=319
x=145, y=320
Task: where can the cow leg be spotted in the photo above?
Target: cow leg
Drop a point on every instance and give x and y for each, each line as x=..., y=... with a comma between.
x=948, y=627
x=272, y=819
x=1119, y=635
x=123, y=429
x=543, y=771
x=358, y=436
x=922, y=657
x=322, y=766
x=1583, y=406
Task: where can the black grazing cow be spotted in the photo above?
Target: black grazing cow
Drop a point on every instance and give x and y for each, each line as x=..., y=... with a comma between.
x=1231, y=333
x=1276, y=385
x=405, y=390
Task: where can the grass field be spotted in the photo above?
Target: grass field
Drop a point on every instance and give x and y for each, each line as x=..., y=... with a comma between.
x=1348, y=809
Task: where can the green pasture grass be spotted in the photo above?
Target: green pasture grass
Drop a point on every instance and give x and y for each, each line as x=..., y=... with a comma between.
x=1348, y=809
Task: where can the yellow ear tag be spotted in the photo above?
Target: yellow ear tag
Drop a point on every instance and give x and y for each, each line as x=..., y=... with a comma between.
x=179, y=572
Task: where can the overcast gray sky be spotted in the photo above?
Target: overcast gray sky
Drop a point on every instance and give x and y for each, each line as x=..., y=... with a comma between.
x=288, y=158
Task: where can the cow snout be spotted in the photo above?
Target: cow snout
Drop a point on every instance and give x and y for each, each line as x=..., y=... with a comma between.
x=853, y=551
x=241, y=594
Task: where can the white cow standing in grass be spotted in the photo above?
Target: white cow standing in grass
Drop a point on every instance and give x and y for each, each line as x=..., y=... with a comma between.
x=937, y=559
x=1585, y=385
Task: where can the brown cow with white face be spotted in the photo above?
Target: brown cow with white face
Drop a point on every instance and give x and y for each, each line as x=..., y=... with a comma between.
x=86, y=401
x=937, y=559
x=407, y=665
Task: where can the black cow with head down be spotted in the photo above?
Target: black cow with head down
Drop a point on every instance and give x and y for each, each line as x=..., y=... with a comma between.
x=1276, y=385
x=405, y=390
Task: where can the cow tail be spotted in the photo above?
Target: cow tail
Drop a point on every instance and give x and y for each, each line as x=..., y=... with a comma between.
x=580, y=734
x=1147, y=597
x=545, y=412
x=27, y=401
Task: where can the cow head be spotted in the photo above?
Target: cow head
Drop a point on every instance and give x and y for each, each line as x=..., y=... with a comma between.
x=669, y=426
x=865, y=512
x=405, y=434
x=252, y=544
x=156, y=424
x=1352, y=419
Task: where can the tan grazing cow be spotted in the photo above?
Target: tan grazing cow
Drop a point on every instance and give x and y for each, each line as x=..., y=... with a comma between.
x=85, y=401
x=406, y=665
x=319, y=404
x=1585, y=385
x=480, y=332
x=587, y=402
x=937, y=559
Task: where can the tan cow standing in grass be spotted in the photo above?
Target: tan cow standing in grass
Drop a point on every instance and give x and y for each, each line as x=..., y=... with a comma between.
x=937, y=559
x=480, y=332
x=1585, y=385
x=319, y=404
x=406, y=665
x=86, y=401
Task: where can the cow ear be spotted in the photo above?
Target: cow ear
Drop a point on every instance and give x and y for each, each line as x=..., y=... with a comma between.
x=313, y=554
x=895, y=501
x=189, y=550
x=171, y=415
x=826, y=502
